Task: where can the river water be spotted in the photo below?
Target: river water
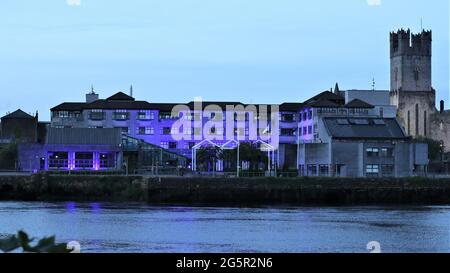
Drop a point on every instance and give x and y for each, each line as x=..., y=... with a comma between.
x=103, y=227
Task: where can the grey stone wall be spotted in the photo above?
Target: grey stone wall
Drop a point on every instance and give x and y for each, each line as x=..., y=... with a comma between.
x=406, y=102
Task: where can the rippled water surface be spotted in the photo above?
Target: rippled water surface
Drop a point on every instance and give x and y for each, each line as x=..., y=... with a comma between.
x=103, y=227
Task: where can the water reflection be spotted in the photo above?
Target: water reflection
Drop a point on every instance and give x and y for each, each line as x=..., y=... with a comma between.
x=139, y=228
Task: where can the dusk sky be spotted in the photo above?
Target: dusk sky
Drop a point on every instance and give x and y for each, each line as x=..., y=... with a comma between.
x=254, y=51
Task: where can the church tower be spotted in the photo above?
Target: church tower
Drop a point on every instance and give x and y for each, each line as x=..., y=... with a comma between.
x=411, y=85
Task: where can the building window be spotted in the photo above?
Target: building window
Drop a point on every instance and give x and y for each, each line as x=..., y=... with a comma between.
x=309, y=130
x=66, y=114
x=146, y=115
x=198, y=131
x=57, y=160
x=121, y=115
x=387, y=152
x=166, y=131
x=310, y=114
x=191, y=145
x=97, y=115
x=123, y=130
x=372, y=152
x=323, y=170
x=84, y=160
x=425, y=123
x=303, y=116
x=172, y=145
x=107, y=160
x=165, y=145
x=372, y=170
x=416, y=73
x=305, y=131
x=409, y=123
x=312, y=170
x=146, y=130
x=166, y=115
x=417, y=119
x=187, y=130
x=287, y=117
x=188, y=116
x=239, y=131
x=387, y=170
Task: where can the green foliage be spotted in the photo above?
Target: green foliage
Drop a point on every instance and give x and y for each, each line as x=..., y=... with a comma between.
x=250, y=152
x=22, y=241
x=207, y=156
x=435, y=148
x=8, y=157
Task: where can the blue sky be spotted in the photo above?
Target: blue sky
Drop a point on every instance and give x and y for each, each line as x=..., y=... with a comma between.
x=260, y=51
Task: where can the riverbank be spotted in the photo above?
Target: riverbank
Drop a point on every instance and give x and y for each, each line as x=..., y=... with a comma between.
x=227, y=191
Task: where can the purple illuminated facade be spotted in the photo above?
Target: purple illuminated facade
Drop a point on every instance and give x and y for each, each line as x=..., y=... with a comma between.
x=154, y=123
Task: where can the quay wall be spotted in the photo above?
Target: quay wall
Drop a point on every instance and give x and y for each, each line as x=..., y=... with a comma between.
x=226, y=191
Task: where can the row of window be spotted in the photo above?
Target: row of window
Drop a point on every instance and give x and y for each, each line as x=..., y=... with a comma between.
x=175, y=145
x=373, y=170
x=306, y=130
x=380, y=152
x=186, y=131
x=97, y=114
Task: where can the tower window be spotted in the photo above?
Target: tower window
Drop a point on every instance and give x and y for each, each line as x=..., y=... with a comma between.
x=409, y=123
x=425, y=123
x=417, y=119
x=416, y=73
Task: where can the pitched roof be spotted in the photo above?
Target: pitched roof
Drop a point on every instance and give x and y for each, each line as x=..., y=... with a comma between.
x=357, y=103
x=69, y=106
x=117, y=104
x=121, y=96
x=291, y=106
x=324, y=103
x=19, y=114
x=364, y=128
x=326, y=95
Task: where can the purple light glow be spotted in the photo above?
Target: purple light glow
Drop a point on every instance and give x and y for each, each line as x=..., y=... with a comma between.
x=71, y=207
x=96, y=207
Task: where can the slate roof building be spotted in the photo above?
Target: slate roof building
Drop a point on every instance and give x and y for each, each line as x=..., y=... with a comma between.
x=309, y=131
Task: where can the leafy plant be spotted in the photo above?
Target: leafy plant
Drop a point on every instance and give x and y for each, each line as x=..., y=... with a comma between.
x=8, y=157
x=22, y=240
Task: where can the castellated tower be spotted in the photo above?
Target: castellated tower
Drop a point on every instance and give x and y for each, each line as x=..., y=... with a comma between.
x=411, y=85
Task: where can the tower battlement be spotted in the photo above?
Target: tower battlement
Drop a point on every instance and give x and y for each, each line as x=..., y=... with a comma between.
x=403, y=42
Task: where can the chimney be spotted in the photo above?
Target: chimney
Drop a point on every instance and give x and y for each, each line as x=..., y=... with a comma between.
x=131, y=90
x=441, y=108
x=336, y=89
x=91, y=96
